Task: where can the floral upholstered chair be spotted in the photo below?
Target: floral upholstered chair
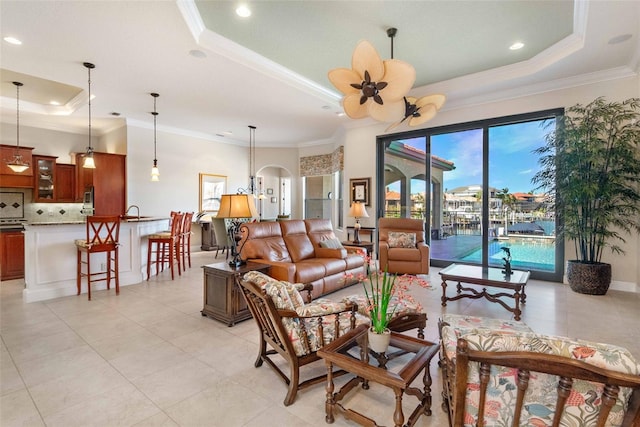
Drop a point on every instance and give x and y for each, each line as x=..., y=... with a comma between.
x=509, y=376
x=292, y=328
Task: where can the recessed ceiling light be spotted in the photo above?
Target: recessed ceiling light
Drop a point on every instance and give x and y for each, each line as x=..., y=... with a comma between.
x=516, y=46
x=243, y=11
x=12, y=40
x=54, y=103
x=196, y=53
x=619, y=39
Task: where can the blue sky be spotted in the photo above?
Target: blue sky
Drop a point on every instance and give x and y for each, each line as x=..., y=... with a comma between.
x=511, y=161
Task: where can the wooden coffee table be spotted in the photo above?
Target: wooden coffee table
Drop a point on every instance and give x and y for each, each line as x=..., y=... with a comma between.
x=350, y=353
x=489, y=277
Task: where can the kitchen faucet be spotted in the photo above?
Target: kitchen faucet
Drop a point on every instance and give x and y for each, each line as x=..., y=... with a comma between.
x=133, y=206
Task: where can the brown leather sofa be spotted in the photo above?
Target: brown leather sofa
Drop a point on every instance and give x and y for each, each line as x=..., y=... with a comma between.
x=402, y=258
x=292, y=249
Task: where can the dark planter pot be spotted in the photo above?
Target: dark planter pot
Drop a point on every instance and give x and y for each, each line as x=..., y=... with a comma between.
x=591, y=279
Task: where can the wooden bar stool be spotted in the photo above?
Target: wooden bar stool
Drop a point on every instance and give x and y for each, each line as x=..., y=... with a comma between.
x=186, y=240
x=164, y=247
x=102, y=236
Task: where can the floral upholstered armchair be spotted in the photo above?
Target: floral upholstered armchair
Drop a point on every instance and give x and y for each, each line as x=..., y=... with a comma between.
x=292, y=328
x=496, y=373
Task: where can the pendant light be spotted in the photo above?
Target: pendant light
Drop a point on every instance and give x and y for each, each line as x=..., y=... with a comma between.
x=17, y=164
x=88, y=160
x=155, y=173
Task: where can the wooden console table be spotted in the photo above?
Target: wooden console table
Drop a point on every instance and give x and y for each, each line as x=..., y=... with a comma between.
x=364, y=231
x=223, y=299
x=489, y=277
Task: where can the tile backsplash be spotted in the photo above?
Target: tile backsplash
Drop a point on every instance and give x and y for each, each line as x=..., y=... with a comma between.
x=11, y=205
x=16, y=203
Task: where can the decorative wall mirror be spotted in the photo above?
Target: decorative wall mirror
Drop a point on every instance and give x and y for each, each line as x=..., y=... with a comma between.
x=212, y=187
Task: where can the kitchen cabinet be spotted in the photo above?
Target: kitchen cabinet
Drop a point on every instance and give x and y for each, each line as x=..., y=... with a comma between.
x=108, y=180
x=9, y=178
x=53, y=182
x=65, y=182
x=44, y=169
x=11, y=255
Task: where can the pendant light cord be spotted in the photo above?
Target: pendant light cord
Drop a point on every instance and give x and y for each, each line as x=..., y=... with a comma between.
x=18, y=84
x=252, y=160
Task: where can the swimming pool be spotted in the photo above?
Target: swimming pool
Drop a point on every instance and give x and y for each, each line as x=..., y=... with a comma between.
x=526, y=253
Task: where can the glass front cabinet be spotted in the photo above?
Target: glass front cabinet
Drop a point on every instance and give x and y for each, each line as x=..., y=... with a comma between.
x=44, y=174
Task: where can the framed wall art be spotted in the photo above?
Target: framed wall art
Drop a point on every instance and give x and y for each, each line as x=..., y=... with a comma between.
x=360, y=190
x=212, y=187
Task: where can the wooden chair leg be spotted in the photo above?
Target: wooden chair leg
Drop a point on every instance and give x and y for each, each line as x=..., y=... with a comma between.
x=171, y=260
x=293, y=384
x=78, y=273
x=89, y=274
x=149, y=250
x=117, y=272
x=108, y=254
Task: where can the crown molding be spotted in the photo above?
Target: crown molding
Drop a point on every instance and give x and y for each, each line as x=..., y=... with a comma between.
x=222, y=46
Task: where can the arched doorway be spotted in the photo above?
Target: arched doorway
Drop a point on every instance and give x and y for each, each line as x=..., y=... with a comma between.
x=274, y=182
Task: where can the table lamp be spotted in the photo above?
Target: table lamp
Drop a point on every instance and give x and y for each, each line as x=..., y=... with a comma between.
x=236, y=207
x=357, y=211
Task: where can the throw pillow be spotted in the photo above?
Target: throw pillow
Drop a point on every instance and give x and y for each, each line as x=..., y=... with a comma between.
x=401, y=240
x=333, y=243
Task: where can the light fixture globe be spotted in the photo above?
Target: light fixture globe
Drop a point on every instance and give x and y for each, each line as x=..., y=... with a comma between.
x=17, y=164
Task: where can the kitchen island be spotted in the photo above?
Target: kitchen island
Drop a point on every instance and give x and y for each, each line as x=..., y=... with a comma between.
x=50, y=256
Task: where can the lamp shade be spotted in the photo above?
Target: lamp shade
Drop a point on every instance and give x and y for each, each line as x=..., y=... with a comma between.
x=357, y=210
x=237, y=206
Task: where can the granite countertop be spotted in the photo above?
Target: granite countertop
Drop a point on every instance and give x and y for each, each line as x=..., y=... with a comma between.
x=124, y=219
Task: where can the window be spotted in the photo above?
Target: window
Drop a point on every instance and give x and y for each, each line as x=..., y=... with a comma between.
x=471, y=183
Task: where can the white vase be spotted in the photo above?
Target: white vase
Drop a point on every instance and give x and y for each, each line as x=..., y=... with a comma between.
x=379, y=342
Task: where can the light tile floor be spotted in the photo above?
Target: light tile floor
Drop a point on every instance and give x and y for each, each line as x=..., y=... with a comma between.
x=148, y=358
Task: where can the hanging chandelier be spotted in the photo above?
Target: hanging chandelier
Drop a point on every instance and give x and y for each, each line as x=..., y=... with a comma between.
x=89, y=163
x=17, y=164
x=155, y=172
x=378, y=89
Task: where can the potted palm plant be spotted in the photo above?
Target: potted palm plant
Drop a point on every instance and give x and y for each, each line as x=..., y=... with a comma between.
x=590, y=166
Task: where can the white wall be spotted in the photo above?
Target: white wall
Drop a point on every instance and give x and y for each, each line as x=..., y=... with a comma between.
x=180, y=159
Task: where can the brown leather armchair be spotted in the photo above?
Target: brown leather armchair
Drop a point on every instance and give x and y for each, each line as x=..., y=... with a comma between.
x=401, y=246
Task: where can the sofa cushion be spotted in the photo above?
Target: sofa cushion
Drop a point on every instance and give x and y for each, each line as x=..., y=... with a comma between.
x=308, y=270
x=332, y=265
x=404, y=254
x=331, y=243
x=285, y=295
x=263, y=240
x=295, y=237
x=399, y=239
x=455, y=326
x=537, y=410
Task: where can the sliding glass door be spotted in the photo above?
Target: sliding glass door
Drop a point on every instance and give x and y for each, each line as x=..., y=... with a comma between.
x=471, y=184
